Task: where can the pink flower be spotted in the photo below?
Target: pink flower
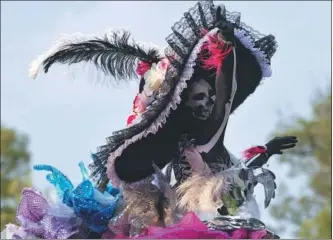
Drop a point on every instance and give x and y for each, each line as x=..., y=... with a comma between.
x=140, y=104
x=213, y=52
x=142, y=68
x=251, y=152
x=155, y=76
x=164, y=63
x=130, y=119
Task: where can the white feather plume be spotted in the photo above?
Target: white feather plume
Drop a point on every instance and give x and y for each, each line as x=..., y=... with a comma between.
x=36, y=64
x=202, y=194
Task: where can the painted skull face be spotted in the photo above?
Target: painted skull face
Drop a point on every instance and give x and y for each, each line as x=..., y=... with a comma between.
x=201, y=99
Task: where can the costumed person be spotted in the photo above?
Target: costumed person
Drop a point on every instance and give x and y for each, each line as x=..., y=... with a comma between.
x=213, y=62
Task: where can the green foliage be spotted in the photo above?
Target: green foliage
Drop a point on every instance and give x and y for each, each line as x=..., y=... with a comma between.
x=15, y=169
x=309, y=212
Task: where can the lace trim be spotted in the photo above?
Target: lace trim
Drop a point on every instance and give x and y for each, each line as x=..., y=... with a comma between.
x=261, y=57
x=161, y=119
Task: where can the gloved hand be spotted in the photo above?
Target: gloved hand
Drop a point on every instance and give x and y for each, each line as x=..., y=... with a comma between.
x=278, y=144
x=275, y=146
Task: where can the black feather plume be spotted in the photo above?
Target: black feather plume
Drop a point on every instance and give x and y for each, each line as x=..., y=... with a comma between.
x=112, y=54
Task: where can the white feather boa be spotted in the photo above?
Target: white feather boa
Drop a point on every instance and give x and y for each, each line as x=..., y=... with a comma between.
x=202, y=195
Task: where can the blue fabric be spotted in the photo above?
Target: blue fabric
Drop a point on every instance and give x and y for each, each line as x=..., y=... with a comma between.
x=83, y=199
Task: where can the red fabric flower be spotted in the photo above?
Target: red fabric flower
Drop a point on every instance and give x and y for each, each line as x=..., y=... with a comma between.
x=164, y=63
x=135, y=102
x=213, y=52
x=139, y=104
x=142, y=68
x=130, y=119
x=251, y=152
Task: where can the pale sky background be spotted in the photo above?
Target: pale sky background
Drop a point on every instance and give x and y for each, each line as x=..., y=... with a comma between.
x=67, y=116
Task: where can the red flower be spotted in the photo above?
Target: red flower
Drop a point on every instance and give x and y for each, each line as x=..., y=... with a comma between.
x=142, y=68
x=213, y=52
x=130, y=119
x=139, y=104
x=251, y=152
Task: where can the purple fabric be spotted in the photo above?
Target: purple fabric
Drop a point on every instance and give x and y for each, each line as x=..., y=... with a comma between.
x=15, y=232
x=35, y=218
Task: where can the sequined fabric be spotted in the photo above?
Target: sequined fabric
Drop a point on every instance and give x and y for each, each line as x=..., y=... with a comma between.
x=252, y=228
x=37, y=221
x=93, y=207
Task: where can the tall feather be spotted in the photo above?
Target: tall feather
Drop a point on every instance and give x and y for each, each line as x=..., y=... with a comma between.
x=114, y=54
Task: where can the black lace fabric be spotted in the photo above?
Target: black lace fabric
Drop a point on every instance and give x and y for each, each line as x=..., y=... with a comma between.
x=182, y=42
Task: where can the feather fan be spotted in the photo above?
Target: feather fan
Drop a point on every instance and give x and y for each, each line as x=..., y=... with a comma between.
x=114, y=54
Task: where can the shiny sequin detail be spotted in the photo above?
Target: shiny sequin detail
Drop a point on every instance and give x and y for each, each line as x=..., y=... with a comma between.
x=93, y=207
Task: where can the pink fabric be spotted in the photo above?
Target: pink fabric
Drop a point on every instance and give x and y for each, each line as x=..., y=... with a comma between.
x=190, y=227
x=258, y=234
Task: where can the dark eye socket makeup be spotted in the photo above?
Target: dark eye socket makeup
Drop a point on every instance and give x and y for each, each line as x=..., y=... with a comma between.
x=199, y=96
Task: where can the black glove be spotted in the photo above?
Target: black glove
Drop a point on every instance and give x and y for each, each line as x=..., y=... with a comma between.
x=278, y=144
x=274, y=146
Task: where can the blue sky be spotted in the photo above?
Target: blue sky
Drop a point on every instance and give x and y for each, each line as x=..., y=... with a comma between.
x=67, y=115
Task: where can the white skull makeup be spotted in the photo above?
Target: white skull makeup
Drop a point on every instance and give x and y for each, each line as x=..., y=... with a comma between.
x=201, y=99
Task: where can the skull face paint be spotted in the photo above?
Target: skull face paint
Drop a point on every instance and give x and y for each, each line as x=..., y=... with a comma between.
x=201, y=99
